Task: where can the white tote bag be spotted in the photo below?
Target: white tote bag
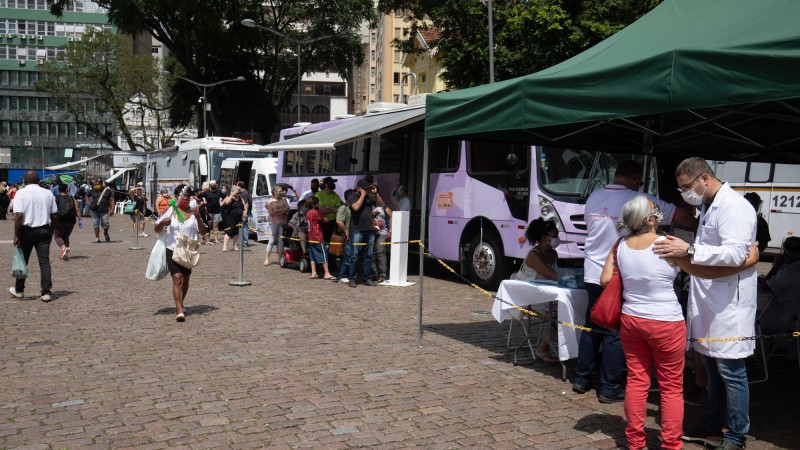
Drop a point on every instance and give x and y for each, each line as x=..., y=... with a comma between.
x=157, y=265
x=187, y=251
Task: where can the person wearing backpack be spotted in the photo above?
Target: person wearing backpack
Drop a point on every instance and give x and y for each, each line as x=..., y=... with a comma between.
x=68, y=214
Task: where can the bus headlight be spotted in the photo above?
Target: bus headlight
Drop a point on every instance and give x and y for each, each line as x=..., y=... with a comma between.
x=548, y=212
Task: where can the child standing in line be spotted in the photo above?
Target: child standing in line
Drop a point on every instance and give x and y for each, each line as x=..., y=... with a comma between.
x=316, y=245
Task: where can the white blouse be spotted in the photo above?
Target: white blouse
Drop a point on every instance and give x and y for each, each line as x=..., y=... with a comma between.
x=647, y=284
x=188, y=228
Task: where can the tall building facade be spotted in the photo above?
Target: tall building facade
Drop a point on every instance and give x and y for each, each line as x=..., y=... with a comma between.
x=34, y=131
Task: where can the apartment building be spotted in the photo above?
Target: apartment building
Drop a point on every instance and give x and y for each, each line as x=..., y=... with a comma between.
x=34, y=132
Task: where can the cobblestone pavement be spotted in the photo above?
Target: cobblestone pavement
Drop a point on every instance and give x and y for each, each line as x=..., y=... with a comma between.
x=289, y=363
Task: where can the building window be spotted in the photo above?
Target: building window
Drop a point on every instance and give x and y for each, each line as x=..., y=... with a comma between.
x=396, y=78
x=398, y=55
x=423, y=77
x=372, y=88
x=373, y=71
x=372, y=55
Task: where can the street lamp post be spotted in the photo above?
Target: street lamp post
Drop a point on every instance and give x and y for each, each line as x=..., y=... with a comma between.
x=205, y=86
x=298, y=42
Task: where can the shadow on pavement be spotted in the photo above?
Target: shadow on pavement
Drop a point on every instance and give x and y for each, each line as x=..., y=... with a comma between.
x=189, y=310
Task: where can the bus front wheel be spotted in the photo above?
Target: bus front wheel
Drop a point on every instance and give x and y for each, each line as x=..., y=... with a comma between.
x=485, y=262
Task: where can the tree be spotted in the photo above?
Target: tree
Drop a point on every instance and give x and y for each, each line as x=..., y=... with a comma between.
x=209, y=44
x=528, y=35
x=98, y=75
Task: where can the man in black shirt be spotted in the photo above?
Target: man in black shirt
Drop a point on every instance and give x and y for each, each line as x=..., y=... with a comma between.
x=101, y=204
x=213, y=198
x=361, y=230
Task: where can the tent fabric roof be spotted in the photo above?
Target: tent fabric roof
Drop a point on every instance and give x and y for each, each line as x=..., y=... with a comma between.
x=350, y=131
x=73, y=163
x=716, y=75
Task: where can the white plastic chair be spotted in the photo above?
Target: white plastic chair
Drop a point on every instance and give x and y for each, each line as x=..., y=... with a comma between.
x=120, y=208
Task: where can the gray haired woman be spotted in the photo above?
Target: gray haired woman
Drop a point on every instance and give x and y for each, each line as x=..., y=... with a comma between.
x=278, y=209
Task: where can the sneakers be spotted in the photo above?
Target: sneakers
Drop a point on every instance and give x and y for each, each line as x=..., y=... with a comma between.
x=728, y=445
x=97, y=241
x=13, y=291
x=180, y=317
x=66, y=254
x=698, y=435
x=580, y=389
x=344, y=280
x=352, y=283
x=45, y=298
x=143, y=235
x=63, y=252
x=611, y=398
x=381, y=279
x=370, y=283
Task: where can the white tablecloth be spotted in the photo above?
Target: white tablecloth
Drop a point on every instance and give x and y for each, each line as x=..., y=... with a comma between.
x=571, y=308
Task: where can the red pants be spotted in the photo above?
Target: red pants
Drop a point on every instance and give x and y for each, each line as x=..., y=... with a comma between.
x=646, y=343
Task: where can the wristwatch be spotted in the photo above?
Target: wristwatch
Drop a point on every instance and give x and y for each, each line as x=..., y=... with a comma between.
x=690, y=250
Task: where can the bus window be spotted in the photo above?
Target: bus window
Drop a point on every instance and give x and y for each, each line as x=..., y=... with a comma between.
x=225, y=177
x=393, y=145
x=349, y=158
x=445, y=155
x=262, y=187
x=324, y=161
x=294, y=163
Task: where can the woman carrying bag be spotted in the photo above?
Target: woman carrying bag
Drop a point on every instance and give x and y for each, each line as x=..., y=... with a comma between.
x=181, y=223
x=652, y=327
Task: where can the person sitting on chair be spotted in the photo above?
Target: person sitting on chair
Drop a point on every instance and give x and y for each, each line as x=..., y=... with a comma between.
x=784, y=282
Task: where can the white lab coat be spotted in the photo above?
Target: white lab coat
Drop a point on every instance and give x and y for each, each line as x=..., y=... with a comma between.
x=724, y=307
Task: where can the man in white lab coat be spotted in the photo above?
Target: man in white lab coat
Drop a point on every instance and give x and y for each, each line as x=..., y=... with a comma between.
x=723, y=307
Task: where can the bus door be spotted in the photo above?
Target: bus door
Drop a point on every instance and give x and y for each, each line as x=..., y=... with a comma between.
x=243, y=171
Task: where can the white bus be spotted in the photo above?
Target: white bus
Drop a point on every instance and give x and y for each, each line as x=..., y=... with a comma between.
x=195, y=161
x=778, y=185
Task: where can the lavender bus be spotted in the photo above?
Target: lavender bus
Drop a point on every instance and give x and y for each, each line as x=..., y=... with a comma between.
x=482, y=194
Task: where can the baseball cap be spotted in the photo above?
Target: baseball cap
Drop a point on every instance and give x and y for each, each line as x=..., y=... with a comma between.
x=140, y=184
x=363, y=183
x=329, y=179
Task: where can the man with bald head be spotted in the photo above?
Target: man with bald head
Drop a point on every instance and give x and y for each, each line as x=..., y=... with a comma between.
x=35, y=212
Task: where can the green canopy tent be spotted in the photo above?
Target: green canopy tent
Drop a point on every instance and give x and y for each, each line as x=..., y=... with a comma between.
x=712, y=78
x=690, y=78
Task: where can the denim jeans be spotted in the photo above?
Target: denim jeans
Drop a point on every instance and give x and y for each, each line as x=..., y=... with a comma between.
x=728, y=399
x=344, y=268
x=368, y=238
x=38, y=238
x=612, y=359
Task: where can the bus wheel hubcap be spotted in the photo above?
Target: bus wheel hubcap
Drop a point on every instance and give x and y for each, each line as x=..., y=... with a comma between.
x=483, y=261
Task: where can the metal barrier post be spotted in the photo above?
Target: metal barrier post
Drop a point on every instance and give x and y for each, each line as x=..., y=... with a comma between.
x=136, y=233
x=398, y=264
x=240, y=281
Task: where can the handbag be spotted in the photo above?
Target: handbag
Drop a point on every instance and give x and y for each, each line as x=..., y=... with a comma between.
x=187, y=252
x=129, y=208
x=19, y=269
x=336, y=245
x=607, y=310
x=157, y=264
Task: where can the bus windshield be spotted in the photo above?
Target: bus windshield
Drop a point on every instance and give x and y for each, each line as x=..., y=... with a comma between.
x=577, y=173
x=217, y=156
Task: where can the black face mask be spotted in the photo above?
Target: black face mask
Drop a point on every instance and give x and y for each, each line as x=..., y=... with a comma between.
x=331, y=185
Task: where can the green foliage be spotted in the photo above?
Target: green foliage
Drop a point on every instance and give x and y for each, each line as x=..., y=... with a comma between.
x=528, y=35
x=209, y=44
x=98, y=75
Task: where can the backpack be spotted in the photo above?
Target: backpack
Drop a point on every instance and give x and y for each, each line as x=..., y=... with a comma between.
x=66, y=207
x=81, y=192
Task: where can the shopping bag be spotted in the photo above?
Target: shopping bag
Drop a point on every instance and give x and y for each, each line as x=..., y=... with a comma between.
x=18, y=267
x=187, y=251
x=607, y=310
x=157, y=265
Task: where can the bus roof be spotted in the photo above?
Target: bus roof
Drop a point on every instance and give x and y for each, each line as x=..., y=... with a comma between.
x=369, y=125
x=226, y=143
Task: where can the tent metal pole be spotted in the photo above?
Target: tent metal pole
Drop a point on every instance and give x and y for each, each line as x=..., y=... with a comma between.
x=423, y=225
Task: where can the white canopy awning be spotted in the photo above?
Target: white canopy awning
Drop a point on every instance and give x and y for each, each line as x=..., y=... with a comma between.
x=70, y=164
x=351, y=131
x=119, y=174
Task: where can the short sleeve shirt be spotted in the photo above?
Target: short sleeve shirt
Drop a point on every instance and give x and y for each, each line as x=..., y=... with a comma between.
x=212, y=200
x=343, y=215
x=102, y=202
x=361, y=220
x=329, y=199
x=36, y=205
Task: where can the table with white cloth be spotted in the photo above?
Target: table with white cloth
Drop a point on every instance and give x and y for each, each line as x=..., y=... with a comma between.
x=571, y=308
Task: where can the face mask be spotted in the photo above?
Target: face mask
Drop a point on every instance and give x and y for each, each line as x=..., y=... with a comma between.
x=658, y=215
x=224, y=191
x=554, y=242
x=184, y=204
x=693, y=198
x=97, y=188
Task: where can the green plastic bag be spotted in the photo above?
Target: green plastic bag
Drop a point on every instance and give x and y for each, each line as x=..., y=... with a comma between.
x=18, y=267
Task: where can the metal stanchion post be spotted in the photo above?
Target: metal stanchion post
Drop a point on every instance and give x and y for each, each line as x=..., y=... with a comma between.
x=136, y=235
x=240, y=280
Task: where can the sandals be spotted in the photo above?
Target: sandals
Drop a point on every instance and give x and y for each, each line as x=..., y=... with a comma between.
x=314, y=277
x=331, y=278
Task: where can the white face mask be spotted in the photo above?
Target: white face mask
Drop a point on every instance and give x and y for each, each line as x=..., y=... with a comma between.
x=693, y=198
x=554, y=242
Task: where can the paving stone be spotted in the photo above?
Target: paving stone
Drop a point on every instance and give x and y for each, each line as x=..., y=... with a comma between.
x=283, y=363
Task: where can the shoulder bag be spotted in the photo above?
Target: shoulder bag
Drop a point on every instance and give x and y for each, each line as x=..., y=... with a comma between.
x=607, y=310
x=336, y=245
x=187, y=251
